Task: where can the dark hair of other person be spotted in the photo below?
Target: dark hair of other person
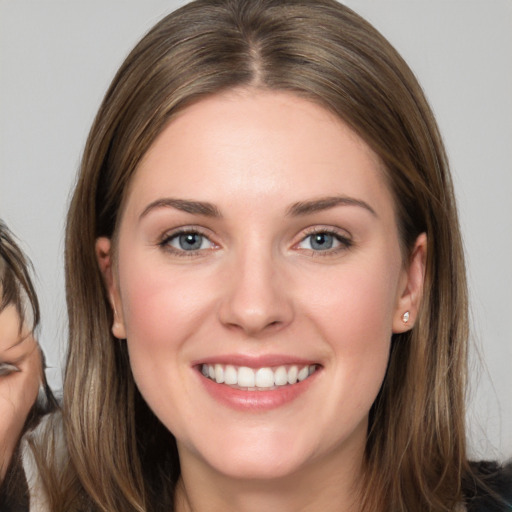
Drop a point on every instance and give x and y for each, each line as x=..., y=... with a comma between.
x=17, y=289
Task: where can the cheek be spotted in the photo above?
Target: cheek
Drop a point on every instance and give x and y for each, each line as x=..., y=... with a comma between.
x=18, y=393
x=353, y=310
x=356, y=303
x=159, y=305
x=162, y=311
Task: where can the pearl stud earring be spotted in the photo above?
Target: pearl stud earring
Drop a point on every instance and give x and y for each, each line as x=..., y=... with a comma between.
x=405, y=317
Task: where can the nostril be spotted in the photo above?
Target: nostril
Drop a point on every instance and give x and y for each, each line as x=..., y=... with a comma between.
x=255, y=308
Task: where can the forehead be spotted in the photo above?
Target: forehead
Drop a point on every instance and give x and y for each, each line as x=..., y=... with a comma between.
x=10, y=326
x=244, y=143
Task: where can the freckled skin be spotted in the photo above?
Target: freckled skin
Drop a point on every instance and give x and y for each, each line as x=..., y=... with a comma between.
x=18, y=389
x=256, y=287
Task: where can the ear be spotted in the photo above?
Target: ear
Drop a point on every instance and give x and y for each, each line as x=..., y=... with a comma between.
x=104, y=256
x=411, y=287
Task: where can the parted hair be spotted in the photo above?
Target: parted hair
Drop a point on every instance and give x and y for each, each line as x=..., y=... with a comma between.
x=120, y=456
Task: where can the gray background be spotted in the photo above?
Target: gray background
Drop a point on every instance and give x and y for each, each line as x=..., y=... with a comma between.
x=58, y=57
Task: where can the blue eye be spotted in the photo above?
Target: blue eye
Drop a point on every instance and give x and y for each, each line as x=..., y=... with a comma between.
x=190, y=241
x=187, y=242
x=323, y=241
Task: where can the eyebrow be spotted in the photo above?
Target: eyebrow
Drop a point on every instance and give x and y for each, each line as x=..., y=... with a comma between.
x=194, y=207
x=295, y=210
x=325, y=203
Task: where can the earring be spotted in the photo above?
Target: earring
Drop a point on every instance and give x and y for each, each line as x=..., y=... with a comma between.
x=405, y=317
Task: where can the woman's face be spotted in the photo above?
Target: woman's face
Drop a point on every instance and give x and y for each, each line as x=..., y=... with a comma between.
x=20, y=377
x=258, y=279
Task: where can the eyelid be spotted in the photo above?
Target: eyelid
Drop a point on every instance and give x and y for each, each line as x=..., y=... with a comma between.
x=331, y=230
x=182, y=230
x=7, y=369
x=164, y=239
x=342, y=235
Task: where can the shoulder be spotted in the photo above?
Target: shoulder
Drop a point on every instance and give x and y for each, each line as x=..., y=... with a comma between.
x=40, y=447
x=489, y=489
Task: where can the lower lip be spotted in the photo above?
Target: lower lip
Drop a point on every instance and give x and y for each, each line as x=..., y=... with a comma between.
x=256, y=400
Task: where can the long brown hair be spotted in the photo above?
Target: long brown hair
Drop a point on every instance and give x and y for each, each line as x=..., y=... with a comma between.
x=321, y=50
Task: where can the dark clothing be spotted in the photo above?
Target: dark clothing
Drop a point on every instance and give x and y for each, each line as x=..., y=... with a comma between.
x=493, y=493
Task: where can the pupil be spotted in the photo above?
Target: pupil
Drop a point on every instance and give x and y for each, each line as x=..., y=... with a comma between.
x=190, y=241
x=322, y=241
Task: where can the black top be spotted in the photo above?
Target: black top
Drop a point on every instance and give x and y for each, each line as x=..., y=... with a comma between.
x=493, y=493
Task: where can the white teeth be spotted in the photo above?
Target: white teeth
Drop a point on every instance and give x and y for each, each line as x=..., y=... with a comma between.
x=261, y=378
x=246, y=377
x=219, y=373
x=303, y=373
x=292, y=375
x=281, y=376
x=230, y=375
x=264, y=378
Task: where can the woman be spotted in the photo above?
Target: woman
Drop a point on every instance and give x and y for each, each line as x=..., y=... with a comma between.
x=265, y=280
x=24, y=394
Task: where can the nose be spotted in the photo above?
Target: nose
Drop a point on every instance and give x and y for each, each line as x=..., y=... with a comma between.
x=256, y=298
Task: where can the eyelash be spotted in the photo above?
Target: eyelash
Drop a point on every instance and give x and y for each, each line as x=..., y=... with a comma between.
x=7, y=369
x=168, y=237
x=345, y=243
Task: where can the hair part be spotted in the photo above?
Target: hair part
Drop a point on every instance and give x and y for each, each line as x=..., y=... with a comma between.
x=323, y=51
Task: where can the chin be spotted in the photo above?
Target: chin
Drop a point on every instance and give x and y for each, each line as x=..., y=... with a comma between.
x=257, y=454
x=259, y=466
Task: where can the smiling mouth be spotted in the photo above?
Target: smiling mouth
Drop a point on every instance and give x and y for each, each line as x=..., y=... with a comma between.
x=257, y=379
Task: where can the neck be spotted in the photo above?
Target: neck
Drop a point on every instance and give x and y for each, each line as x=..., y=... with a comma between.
x=324, y=485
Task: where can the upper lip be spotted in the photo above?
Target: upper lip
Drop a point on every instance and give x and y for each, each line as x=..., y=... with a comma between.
x=262, y=361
